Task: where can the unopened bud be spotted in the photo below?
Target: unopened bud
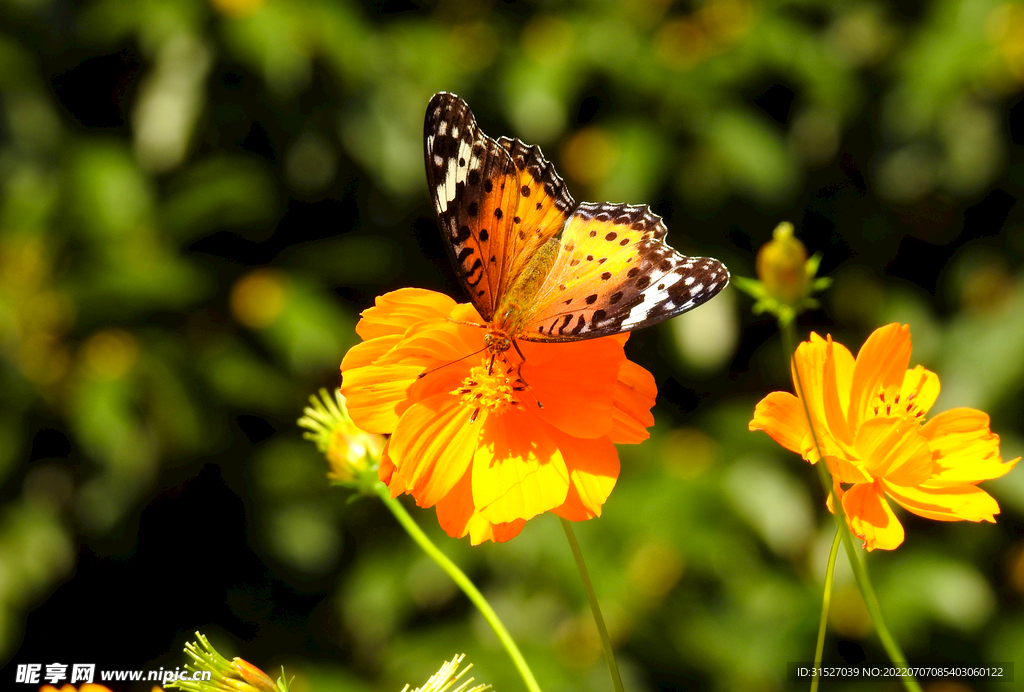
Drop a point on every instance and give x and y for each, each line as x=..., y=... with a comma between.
x=782, y=266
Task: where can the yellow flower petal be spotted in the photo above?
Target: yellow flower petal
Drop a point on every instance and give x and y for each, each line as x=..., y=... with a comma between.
x=432, y=447
x=377, y=395
x=871, y=519
x=835, y=416
x=457, y=515
x=965, y=450
x=881, y=364
x=962, y=502
x=919, y=391
x=781, y=415
x=518, y=470
x=395, y=312
x=893, y=448
x=593, y=469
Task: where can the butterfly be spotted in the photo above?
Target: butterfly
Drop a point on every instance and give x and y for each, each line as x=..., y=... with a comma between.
x=536, y=266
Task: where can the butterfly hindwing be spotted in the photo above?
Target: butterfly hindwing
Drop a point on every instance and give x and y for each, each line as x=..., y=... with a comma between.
x=614, y=273
x=472, y=181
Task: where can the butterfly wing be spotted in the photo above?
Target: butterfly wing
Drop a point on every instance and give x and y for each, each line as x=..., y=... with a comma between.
x=614, y=273
x=497, y=201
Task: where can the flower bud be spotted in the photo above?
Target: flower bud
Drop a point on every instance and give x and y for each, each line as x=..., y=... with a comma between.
x=351, y=452
x=781, y=266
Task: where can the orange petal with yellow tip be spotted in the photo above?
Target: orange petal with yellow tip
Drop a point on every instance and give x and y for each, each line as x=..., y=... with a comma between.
x=432, y=447
x=632, y=400
x=593, y=469
x=956, y=503
x=518, y=470
x=395, y=312
x=881, y=364
x=782, y=416
x=965, y=450
x=575, y=382
x=871, y=519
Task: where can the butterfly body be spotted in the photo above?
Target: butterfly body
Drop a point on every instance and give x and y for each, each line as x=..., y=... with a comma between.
x=536, y=266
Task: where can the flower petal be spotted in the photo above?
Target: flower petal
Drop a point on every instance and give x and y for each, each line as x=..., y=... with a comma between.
x=881, y=364
x=919, y=391
x=955, y=503
x=593, y=469
x=870, y=517
x=782, y=416
x=363, y=354
x=632, y=401
x=835, y=416
x=808, y=371
x=393, y=313
x=458, y=516
x=894, y=449
x=575, y=381
x=965, y=450
x=377, y=395
x=432, y=447
x=518, y=470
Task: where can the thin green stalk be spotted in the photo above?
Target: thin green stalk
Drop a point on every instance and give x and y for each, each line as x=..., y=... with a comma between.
x=826, y=601
x=463, y=582
x=860, y=571
x=595, y=608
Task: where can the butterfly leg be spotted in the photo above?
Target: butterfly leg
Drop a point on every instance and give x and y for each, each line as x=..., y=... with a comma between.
x=519, y=373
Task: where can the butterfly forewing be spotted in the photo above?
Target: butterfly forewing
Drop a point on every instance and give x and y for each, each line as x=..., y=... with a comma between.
x=614, y=273
x=497, y=201
x=473, y=182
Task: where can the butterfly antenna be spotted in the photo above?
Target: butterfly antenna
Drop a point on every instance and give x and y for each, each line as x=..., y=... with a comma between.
x=468, y=355
x=519, y=374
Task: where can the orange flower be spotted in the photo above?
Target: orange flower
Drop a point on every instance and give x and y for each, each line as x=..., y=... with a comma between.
x=471, y=439
x=868, y=415
x=68, y=687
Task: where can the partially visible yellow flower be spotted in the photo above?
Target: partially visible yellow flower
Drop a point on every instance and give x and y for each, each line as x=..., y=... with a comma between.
x=869, y=418
x=781, y=265
x=448, y=675
x=68, y=687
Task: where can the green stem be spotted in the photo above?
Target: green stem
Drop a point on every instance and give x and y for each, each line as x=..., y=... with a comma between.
x=826, y=601
x=860, y=571
x=459, y=577
x=595, y=608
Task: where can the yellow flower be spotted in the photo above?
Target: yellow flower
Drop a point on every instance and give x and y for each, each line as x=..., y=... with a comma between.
x=869, y=417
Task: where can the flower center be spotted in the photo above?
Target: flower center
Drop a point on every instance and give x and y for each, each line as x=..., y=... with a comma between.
x=892, y=404
x=489, y=389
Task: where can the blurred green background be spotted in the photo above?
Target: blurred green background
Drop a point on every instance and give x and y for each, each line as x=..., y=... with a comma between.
x=197, y=199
